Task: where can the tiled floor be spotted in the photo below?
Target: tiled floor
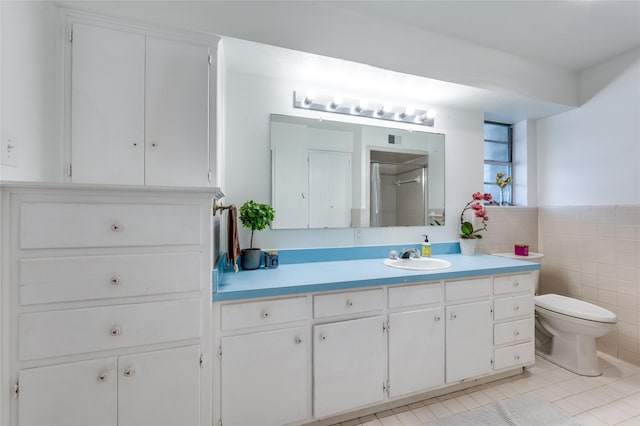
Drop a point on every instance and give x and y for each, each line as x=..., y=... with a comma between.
x=611, y=399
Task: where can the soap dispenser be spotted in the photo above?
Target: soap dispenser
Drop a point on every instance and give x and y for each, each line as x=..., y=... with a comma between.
x=426, y=247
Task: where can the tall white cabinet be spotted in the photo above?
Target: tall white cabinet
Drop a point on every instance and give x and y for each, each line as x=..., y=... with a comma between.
x=106, y=305
x=141, y=106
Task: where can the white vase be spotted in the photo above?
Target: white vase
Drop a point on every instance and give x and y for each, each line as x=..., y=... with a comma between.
x=467, y=246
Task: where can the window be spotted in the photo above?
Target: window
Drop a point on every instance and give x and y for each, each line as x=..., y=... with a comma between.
x=497, y=158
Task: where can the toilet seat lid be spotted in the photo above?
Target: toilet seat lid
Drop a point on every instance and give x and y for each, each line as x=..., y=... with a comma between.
x=575, y=308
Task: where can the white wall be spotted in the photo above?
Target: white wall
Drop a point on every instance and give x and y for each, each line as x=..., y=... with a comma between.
x=304, y=26
x=525, y=163
x=251, y=98
x=30, y=113
x=591, y=155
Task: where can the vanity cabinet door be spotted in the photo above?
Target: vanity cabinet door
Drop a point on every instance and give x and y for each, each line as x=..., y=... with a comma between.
x=416, y=351
x=349, y=365
x=265, y=378
x=469, y=340
x=73, y=394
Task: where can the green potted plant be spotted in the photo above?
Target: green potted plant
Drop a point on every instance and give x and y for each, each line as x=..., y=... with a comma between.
x=254, y=216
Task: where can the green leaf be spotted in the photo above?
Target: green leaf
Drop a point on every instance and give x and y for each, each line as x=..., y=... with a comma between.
x=466, y=228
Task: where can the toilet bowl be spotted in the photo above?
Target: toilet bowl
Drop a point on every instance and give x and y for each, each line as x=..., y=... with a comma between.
x=567, y=328
x=566, y=332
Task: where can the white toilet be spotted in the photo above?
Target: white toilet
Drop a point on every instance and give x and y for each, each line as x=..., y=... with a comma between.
x=566, y=328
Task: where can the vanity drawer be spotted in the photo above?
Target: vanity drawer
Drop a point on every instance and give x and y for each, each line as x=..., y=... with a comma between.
x=512, y=356
x=79, y=225
x=65, y=279
x=264, y=312
x=468, y=289
x=513, y=307
x=72, y=331
x=413, y=295
x=509, y=333
x=513, y=284
x=351, y=302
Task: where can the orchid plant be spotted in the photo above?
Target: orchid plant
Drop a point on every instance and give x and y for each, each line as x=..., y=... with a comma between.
x=466, y=228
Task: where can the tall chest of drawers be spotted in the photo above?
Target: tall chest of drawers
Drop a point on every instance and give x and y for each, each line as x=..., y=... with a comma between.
x=106, y=305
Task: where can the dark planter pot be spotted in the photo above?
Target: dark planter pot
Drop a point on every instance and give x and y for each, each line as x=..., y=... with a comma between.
x=251, y=258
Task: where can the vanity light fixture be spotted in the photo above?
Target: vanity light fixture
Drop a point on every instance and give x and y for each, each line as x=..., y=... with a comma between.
x=363, y=108
x=337, y=100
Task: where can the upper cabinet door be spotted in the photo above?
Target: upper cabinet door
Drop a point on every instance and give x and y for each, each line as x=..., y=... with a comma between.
x=176, y=112
x=107, y=106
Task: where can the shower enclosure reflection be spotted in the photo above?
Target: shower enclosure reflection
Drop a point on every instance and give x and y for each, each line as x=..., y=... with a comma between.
x=328, y=174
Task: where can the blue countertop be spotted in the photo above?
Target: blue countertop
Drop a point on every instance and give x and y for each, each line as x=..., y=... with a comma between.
x=305, y=277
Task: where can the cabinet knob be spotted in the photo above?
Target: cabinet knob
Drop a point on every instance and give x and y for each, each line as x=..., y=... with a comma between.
x=453, y=316
x=135, y=144
x=349, y=303
x=516, y=356
x=266, y=315
x=115, y=280
x=129, y=372
x=115, y=331
x=436, y=318
x=116, y=227
x=516, y=307
x=516, y=333
x=298, y=340
x=103, y=376
x=516, y=284
x=153, y=144
x=323, y=337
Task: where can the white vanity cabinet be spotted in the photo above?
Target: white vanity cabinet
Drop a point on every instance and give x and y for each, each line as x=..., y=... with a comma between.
x=469, y=319
x=298, y=359
x=99, y=334
x=264, y=374
x=416, y=338
x=140, y=106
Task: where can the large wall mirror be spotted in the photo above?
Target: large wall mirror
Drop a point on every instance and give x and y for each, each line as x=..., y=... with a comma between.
x=328, y=174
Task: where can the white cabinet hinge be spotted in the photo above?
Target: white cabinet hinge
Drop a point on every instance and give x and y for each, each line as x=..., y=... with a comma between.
x=201, y=360
x=209, y=176
x=209, y=59
x=220, y=422
x=385, y=327
x=385, y=387
x=220, y=352
x=71, y=35
x=16, y=390
x=69, y=170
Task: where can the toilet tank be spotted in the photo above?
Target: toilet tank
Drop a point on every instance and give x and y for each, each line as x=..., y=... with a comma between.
x=532, y=257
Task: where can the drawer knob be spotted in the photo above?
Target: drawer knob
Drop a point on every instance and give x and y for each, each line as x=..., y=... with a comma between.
x=516, y=356
x=323, y=337
x=115, y=331
x=516, y=284
x=116, y=227
x=516, y=307
x=103, y=376
x=115, y=280
x=266, y=315
x=453, y=316
x=349, y=303
x=436, y=318
x=298, y=340
x=516, y=333
x=129, y=372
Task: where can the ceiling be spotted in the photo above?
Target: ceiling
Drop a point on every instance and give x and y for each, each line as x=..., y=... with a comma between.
x=572, y=34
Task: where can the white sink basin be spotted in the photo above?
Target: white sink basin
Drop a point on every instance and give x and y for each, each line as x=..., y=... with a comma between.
x=419, y=264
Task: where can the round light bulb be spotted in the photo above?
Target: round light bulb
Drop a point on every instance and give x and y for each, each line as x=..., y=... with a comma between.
x=430, y=114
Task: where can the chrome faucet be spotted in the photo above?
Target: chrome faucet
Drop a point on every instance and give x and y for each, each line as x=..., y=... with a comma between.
x=406, y=254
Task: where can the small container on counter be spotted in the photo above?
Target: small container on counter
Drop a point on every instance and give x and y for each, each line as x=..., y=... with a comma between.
x=521, y=250
x=271, y=259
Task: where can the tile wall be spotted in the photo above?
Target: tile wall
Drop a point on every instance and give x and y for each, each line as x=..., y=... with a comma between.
x=508, y=226
x=592, y=253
